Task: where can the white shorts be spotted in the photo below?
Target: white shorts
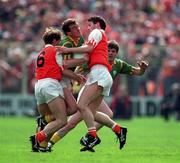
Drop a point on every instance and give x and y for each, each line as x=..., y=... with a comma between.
x=48, y=89
x=101, y=75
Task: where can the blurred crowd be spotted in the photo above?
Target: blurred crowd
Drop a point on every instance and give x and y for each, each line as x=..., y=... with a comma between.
x=145, y=29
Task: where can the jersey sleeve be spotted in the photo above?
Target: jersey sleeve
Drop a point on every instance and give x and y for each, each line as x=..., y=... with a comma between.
x=59, y=60
x=125, y=68
x=94, y=37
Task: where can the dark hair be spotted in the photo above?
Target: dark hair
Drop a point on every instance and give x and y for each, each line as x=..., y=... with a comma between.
x=112, y=44
x=98, y=19
x=50, y=34
x=66, y=24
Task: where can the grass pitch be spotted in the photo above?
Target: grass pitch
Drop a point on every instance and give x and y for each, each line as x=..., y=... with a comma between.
x=149, y=140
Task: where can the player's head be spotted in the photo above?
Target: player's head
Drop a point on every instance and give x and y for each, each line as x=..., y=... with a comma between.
x=113, y=48
x=51, y=36
x=70, y=27
x=96, y=22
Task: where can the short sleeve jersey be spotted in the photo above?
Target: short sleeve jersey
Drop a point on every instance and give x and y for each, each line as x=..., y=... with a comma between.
x=99, y=55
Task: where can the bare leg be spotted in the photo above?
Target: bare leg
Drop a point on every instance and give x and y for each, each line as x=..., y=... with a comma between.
x=43, y=109
x=104, y=108
x=70, y=101
x=101, y=117
x=58, y=110
x=72, y=122
x=89, y=94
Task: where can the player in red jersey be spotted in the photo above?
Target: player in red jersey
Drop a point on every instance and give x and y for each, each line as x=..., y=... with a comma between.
x=48, y=88
x=99, y=80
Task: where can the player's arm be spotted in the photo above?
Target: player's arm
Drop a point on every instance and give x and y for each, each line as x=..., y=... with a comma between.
x=68, y=73
x=81, y=69
x=94, y=38
x=82, y=49
x=142, y=66
x=67, y=48
x=125, y=68
x=67, y=56
x=68, y=61
x=71, y=75
x=74, y=62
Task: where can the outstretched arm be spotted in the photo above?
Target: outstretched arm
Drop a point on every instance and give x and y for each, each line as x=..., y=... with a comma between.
x=141, y=69
x=74, y=62
x=82, y=49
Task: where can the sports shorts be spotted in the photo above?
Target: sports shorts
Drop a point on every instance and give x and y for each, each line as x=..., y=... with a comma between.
x=101, y=75
x=47, y=89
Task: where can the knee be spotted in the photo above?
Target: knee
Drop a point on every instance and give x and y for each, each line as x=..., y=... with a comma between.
x=71, y=125
x=81, y=107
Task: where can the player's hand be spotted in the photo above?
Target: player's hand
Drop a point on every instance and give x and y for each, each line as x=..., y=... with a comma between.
x=143, y=65
x=62, y=49
x=80, y=79
x=79, y=70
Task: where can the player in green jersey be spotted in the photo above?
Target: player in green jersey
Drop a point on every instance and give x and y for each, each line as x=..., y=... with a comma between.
x=118, y=66
x=72, y=38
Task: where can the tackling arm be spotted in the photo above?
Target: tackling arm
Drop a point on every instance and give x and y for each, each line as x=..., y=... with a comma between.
x=82, y=49
x=73, y=76
x=74, y=62
x=141, y=69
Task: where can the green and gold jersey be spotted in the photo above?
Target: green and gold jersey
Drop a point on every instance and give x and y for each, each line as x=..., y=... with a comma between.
x=69, y=42
x=120, y=67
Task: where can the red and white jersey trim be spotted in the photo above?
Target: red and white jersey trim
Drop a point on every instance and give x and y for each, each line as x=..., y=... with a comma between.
x=94, y=37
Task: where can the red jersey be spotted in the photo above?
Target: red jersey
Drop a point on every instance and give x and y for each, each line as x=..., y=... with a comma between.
x=99, y=55
x=46, y=64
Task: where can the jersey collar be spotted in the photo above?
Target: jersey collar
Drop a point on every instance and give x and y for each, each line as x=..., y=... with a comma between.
x=75, y=43
x=47, y=45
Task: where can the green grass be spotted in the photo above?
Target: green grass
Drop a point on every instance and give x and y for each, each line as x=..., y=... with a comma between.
x=150, y=140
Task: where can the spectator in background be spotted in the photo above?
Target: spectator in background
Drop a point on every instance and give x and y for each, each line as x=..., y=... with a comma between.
x=177, y=102
x=170, y=103
x=145, y=25
x=11, y=72
x=121, y=104
x=170, y=71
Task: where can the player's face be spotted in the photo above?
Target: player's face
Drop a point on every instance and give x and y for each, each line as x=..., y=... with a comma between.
x=56, y=42
x=91, y=26
x=111, y=54
x=75, y=30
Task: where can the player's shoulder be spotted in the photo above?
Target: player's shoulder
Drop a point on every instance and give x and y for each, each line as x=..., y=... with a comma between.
x=49, y=47
x=49, y=50
x=96, y=31
x=117, y=61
